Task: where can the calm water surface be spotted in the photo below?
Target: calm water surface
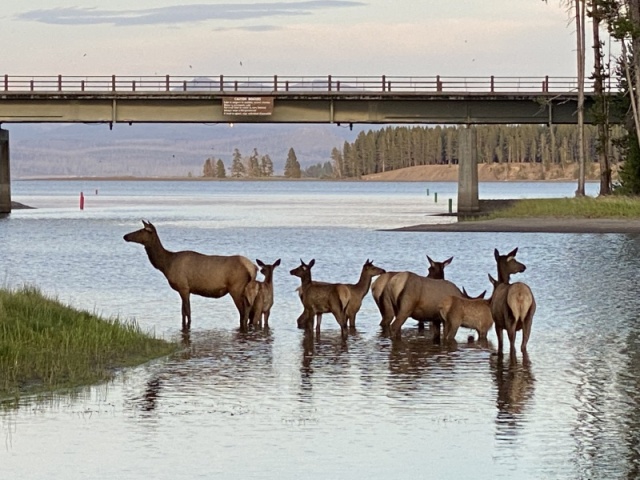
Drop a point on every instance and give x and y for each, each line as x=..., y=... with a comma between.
x=277, y=404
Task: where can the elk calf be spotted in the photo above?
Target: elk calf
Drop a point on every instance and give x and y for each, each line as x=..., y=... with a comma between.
x=466, y=312
x=360, y=289
x=319, y=297
x=258, y=296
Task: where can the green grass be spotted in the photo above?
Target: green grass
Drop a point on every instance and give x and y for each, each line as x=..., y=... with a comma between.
x=579, y=207
x=46, y=346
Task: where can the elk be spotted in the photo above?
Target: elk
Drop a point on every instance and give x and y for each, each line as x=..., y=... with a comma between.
x=468, y=312
x=190, y=272
x=435, y=271
x=258, y=296
x=320, y=297
x=360, y=289
x=410, y=295
x=512, y=304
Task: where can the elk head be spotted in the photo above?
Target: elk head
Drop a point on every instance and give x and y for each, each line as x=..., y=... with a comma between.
x=508, y=265
x=436, y=269
x=144, y=236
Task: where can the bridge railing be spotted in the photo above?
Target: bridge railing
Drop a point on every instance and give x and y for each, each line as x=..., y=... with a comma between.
x=275, y=84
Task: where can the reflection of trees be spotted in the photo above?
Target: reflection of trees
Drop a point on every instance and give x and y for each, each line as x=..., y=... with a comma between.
x=515, y=384
x=219, y=360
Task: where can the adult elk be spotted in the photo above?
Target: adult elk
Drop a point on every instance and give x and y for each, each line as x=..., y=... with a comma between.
x=360, y=289
x=191, y=272
x=435, y=271
x=258, y=296
x=320, y=297
x=512, y=304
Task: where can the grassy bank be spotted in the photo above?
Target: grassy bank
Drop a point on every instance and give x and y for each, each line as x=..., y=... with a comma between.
x=45, y=345
x=584, y=207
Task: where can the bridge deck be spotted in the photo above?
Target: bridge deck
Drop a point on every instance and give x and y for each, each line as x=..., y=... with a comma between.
x=330, y=99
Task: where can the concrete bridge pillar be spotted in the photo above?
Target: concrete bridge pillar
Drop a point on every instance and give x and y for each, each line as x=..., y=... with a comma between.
x=5, y=178
x=468, y=201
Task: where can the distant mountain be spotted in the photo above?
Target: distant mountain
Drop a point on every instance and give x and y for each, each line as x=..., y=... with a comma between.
x=162, y=149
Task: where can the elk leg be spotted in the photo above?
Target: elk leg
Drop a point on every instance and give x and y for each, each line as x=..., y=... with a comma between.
x=435, y=326
x=352, y=321
x=499, y=335
x=387, y=311
x=186, y=310
x=242, y=311
x=258, y=304
x=266, y=318
x=420, y=325
x=511, y=332
x=318, y=322
x=396, y=325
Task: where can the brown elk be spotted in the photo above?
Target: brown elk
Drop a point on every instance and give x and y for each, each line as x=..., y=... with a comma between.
x=410, y=295
x=435, y=271
x=320, y=297
x=360, y=289
x=191, y=272
x=512, y=304
x=258, y=296
x=468, y=312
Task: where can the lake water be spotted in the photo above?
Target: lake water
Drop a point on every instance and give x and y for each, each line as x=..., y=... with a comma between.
x=279, y=404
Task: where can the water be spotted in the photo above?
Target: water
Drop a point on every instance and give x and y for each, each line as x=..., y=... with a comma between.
x=277, y=404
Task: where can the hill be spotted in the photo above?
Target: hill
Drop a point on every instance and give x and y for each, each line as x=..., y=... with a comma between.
x=491, y=172
x=162, y=149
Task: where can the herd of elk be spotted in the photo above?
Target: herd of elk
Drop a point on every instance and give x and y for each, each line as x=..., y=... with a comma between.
x=398, y=295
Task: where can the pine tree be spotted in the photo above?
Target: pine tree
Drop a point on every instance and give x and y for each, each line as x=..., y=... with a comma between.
x=221, y=172
x=292, y=167
x=207, y=170
x=237, y=167
x=254, y=166
x=266, y=166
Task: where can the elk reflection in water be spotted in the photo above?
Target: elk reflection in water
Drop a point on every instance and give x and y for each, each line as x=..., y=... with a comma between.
x=210, y=361
x=515, y=388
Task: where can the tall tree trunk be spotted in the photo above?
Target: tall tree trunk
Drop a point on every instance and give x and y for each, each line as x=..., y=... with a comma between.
x=601, y=101
x=580, y=36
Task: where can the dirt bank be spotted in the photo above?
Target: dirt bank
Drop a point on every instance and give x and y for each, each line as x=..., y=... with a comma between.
x=493, y=172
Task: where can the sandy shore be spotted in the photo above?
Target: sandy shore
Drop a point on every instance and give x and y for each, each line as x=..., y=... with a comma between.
x=539, y=225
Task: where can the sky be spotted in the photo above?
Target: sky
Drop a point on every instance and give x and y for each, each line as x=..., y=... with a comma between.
x=514, y=38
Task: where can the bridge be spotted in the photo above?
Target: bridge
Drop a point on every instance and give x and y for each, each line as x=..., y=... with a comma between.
x=291, y=99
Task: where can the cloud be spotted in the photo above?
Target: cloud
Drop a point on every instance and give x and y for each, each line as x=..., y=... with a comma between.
x=178, y=14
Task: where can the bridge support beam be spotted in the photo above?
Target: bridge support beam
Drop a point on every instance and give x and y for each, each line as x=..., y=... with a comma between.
x=5, y=178
x=468, y=201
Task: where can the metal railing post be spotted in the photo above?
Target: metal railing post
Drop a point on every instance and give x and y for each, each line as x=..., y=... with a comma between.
x=167, y=83
x=384, y=82
x=329, y=82
x=113, y=83
x=59, y=83
x=275, y=83
x=6, y=82
x=438, y=84
x=492, y=84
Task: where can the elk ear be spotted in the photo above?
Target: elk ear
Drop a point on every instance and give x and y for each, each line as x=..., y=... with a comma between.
x=496, y=254
x=464, y=292
x=431, y=262
x=513, y=252
x=482, y=294
x=447, y=261
x=312, y=263
x=276, y=263
x=259, y=262
x=493, y=281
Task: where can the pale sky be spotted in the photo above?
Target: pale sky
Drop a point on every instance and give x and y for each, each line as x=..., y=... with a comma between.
x=294, y=37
